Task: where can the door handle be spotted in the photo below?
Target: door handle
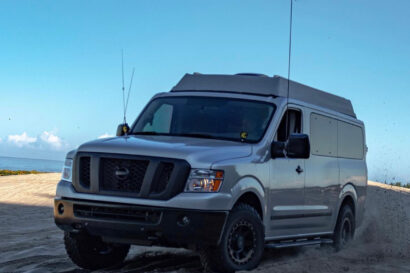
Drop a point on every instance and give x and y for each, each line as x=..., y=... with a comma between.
x=299, y=170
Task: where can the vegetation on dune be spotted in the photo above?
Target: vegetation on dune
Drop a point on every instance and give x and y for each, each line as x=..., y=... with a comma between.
x=9, y=172
x=399, y=184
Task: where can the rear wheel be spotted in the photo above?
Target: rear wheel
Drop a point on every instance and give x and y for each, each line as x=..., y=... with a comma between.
x=345, y=228
x=91, y=252
x=242, y=243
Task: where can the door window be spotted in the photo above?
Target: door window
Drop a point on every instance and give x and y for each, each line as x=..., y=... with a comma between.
x=323, y=135
x=291, y=123
x=349, y=141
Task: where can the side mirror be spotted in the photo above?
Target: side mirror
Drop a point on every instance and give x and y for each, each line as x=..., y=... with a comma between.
x=123, y=129
x=298, y=146
x=277, y=149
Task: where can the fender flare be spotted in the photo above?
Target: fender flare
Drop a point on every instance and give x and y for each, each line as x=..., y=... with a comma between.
x=347, y=190
x=245, y=185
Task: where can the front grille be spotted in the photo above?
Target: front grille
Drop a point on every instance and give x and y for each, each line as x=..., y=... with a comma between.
x=85, y=171
x=165, y=171
x=122, y=175
x=133, y=176
x=117, y=213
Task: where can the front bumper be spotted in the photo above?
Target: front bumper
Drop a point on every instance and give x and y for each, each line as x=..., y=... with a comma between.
x=212, y=201
x=141, y=225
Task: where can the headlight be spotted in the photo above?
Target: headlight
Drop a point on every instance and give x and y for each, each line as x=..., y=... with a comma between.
x=203, y=180
x=67, y=170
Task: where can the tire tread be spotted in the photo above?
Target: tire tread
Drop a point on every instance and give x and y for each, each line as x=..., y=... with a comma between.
x=336, y=235
x=78, y=250
x=211, y=257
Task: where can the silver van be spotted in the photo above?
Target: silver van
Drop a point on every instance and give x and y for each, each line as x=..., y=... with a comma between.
x=222, y=164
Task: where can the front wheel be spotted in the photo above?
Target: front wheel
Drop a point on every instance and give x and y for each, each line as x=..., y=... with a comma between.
x=91, y=252
x=241, y=245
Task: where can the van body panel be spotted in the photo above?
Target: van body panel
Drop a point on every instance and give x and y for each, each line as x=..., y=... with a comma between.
x=353, y=174
x=322, y=190
x=286, y=190
x=241, y=178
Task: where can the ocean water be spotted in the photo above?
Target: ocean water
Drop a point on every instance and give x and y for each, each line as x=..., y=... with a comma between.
x=29, y=164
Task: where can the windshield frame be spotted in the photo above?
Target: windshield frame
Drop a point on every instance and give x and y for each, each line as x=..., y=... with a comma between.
x=216, y=138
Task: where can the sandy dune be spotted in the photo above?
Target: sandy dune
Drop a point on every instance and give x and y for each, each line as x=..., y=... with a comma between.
x=30, y=242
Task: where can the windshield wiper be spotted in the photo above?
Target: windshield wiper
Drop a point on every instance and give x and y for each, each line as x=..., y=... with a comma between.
x=149, y=133
x=152, y=133
x=195, y=135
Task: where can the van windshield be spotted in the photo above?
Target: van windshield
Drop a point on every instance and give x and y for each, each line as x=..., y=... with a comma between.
x=206, y=117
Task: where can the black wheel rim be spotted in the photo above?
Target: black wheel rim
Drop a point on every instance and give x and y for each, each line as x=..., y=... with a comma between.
x=242, y=242
x=346, y=232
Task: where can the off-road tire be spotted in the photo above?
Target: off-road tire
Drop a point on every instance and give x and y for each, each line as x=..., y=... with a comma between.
x=345, y=227
x=219, y=258
x=90, y=252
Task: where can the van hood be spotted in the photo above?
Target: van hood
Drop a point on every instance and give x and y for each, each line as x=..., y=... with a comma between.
x=199, y=152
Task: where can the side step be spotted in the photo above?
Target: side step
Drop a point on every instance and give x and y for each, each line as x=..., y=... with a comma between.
x=306, y=242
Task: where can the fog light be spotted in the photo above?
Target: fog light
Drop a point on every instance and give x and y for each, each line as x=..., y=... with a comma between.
x=60, y=209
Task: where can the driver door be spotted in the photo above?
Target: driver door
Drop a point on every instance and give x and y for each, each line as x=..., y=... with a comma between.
x=287, y=182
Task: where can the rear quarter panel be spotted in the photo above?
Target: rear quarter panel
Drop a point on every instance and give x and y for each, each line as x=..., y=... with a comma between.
x=354, y=172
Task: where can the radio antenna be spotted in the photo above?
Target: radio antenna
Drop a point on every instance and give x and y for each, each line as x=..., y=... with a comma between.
x=125, y=101
x=123, y=85
x=128, y=95
x=289, y=57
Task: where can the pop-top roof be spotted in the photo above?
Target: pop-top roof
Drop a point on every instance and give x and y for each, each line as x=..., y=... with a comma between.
x=266, y=86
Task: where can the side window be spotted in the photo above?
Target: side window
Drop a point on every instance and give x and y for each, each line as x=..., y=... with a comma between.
x=294, y=124
x=350, y=141
x=161, y=120
x=323, y=135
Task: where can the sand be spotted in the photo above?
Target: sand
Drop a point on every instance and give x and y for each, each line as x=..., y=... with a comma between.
x=30, y=242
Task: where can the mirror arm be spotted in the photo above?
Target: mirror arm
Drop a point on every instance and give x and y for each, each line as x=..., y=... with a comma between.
x=277, y=149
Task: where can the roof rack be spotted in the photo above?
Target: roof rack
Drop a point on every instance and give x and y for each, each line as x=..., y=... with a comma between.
x=276, y=86
x=252, y=74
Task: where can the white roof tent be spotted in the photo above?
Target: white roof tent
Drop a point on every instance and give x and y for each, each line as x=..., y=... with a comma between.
x=257, y=84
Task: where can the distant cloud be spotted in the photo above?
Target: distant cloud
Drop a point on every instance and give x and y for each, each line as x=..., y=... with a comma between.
x=51, y=139
x=46, y=140
x=1, y=139
x=21, y=140
x=105, y=135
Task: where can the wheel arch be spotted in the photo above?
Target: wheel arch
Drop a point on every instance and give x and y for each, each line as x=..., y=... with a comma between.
x=347, y=196
x=250, y=191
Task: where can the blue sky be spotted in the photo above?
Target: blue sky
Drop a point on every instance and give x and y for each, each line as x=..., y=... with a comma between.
x=60, y=63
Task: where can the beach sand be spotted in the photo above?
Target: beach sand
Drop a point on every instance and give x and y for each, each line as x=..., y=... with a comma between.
x=30, y=241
